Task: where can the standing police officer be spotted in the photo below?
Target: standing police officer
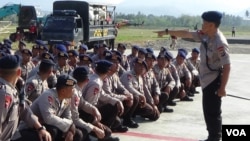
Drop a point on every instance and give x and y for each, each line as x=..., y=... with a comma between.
x=215, y=61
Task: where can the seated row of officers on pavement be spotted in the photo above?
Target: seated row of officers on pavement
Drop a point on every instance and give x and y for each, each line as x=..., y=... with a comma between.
x=68, y=94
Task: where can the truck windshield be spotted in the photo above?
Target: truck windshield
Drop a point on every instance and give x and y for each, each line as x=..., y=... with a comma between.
x=60, y=23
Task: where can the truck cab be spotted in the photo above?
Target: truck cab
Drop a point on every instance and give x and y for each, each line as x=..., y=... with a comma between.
x=80, y=22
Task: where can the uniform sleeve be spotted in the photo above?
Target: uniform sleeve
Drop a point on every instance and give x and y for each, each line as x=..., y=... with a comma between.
x=48, y=113
x=75, y=102
x=155, y=86
x=126, y=80
x=105, y=98
x=223, y=53
x=147, y=94
x=29, y=90
x=5, y=103
x=170, y=79
x=91, y=93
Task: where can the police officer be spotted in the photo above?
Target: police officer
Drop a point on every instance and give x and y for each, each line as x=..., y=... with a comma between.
x=10, y=71
x=62, y=66
x=133, y=55
x=151, y=86
x=26, y=64
x=86, y=109
x=133, y=82
x=113, y=86
x=37, y=84
x=86, y=61
x=52, y=108
x=165, y=80
x=215, y=60
x=82, y=49
x=21, y=46
x=73, y=58
x=108, y=106
x=124, y=63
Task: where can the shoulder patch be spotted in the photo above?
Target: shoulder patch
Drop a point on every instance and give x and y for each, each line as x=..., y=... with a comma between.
x=129, y=76
x=50, y=99
x=76, y=101
x=96, y=90
x=221, y=51
x=8, y=100
x=29, y=87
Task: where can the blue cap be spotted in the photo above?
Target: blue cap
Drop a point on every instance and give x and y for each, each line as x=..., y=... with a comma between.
x=117, y=53
x=141, y=61
x=47, y=55
x=22, y=43
x=65, y=80
x=67, y=43
x=27, y=51
x=143, y=50
x=10, y=62
x=83, y=46
x=150, y=55
x=7, y=45
x=43, y=47
x=47, y=62
x=169, y=55
x=6, y=50
x=197, y=50
x=73, y=53
x=104, y=64
x=150, y=50
x=85, y=57
x=39, y=42
x=212, y=16
x=182, y=54
x=112, y=55
x=136, y=47
x=61, y=47
x=183, y=50
x=163, y=49
x=80, y=72
x=8, y=41
x=63, y=54
x=2, y=54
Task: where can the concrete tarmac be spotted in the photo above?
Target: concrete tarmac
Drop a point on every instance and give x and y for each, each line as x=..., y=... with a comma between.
x=186, y=123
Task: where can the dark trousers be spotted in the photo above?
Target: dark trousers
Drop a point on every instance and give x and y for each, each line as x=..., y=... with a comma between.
x=212, y=110
x=56, y=134
x=129, y=111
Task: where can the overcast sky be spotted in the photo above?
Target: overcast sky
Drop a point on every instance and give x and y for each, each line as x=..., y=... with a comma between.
x=159, y=7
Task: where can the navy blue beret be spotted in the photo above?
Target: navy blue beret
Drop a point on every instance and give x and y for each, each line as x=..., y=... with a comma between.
x=10, y=62
x=104, y=64
x=67, y=43
x=112, y=55
x=73, y=53
x=65, y=80
x=61, y=47
x=46, y=55
x=63, y=54
x=39, y=42
x=150, y=55
x=117, y=53
x=197, y=50
x=182, y=54
x=183, y=50
x=212, y=16
x=85, y=57
x=141, y=61
x=169, y=55
x=136, y=47
x=83, y=46
x=8, y=41
x=80, y=72
x=43, y=47
x=143, y=50
x=6, y=50
x=2, y=54
x=150, y=50
x=22, y=43
x=7, y=45
x=48, y=62
x=163, y=49
x=27, y=51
